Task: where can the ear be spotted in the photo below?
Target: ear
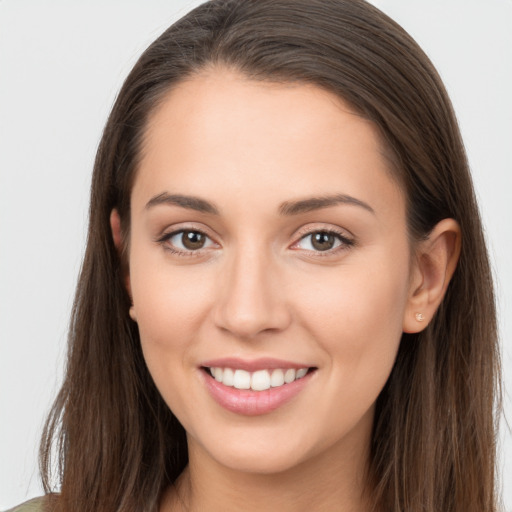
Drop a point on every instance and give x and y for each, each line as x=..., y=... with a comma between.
x=115, y=226
x=435, y=262
x=117, y=236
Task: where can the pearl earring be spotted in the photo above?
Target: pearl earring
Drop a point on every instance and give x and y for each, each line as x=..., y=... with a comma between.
x=420, y=317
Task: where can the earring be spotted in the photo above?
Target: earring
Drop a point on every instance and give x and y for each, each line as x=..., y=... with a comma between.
x=133, y=316
x=420, y=317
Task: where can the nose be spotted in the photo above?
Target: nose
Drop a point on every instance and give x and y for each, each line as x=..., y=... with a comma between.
x=252, y=296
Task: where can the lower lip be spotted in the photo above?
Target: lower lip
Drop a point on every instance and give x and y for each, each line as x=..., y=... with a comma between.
x=254, y=403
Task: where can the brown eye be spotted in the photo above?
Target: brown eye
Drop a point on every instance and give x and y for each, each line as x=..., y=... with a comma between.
x=323, y=241
x=193, y=240
x=186, y=241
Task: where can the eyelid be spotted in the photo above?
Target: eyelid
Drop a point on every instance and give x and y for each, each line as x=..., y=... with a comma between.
x=315, y=227
x=184, y=226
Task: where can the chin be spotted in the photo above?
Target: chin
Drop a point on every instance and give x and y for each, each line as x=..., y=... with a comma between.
x=258, y=461
x=264, y=452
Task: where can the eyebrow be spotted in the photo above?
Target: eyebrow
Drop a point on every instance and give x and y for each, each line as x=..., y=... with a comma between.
x=316, y=203
x=189, y=202
x=287, y=208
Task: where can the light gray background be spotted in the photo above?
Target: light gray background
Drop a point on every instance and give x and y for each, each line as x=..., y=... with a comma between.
x=61, y=64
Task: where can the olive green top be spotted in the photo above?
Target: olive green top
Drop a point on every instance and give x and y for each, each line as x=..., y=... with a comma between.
x=35, y=505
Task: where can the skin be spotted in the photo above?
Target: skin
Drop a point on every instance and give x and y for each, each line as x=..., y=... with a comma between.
x=258, y=288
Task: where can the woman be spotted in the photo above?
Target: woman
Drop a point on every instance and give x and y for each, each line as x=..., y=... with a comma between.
x=285, y=300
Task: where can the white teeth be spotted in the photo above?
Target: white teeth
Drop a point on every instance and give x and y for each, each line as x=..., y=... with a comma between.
x=301, y=372
x=277, y=378
x=289, y=376
x=242, y=379
x=259, y=380
x=228, y=377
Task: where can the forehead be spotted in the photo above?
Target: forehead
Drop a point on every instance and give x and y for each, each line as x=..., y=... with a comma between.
x=278, y=141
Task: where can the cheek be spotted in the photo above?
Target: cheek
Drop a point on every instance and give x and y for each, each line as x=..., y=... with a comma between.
x=170, y=304
x=170, y=308
x=356, y=315
x=356, y=320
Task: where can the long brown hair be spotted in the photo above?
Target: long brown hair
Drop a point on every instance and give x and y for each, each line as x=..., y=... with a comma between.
x=433, y=448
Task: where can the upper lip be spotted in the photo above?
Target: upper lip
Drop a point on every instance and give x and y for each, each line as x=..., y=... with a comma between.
x=253, y=365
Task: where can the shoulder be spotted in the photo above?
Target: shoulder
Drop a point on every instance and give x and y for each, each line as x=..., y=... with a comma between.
x=35, y=505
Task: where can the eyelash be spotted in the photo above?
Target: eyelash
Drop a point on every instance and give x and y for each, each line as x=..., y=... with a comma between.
x=345, y=242
x=166, y=237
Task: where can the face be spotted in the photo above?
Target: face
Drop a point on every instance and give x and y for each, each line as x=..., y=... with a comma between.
x=269, y=266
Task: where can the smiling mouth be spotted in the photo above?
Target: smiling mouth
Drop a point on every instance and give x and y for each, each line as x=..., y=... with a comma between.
x=259, y=380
